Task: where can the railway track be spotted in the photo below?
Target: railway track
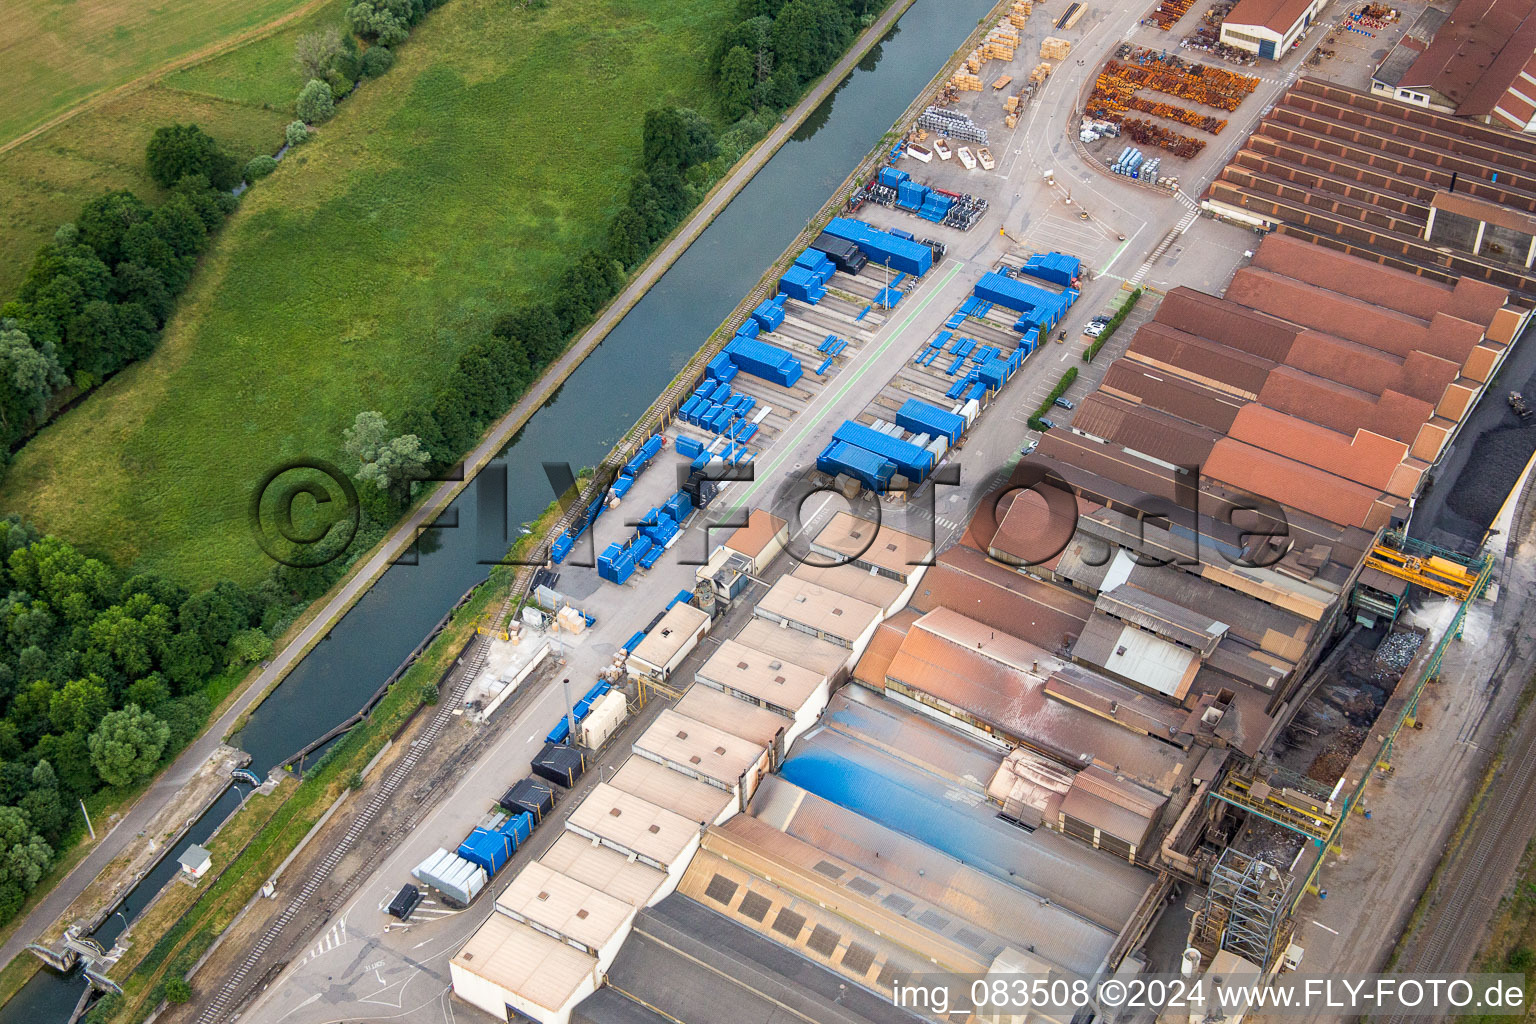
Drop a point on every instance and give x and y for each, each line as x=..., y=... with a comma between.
x=230, y=993
x=1482, y=866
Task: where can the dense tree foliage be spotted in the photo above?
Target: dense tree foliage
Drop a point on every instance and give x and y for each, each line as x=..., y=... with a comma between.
x=178, y=150
x=778, y=46
x=316, y=102
x=101, y=678
x=95, y=298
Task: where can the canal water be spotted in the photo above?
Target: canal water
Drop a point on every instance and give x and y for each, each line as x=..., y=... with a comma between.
x=581, y=423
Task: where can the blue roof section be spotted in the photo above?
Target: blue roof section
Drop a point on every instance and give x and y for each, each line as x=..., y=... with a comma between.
x=903, y=798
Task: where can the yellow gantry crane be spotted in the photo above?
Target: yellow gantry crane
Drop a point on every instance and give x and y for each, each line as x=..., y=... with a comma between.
x=1425, y=566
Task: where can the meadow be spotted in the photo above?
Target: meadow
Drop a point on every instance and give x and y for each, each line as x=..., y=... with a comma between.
x=350, y=279
x=55, y=53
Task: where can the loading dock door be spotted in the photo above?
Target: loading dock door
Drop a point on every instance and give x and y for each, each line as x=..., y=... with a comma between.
x=1267, y=49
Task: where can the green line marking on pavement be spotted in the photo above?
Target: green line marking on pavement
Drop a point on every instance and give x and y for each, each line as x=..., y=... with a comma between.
x=852, y=379
x=1105, y=269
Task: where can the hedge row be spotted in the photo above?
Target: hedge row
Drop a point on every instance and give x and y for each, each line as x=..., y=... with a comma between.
x=1111, y=327
x=1036, y=421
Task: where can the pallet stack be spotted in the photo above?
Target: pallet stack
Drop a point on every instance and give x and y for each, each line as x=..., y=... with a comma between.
x=1052, y=48
x=965, y=81
x=1019, y=15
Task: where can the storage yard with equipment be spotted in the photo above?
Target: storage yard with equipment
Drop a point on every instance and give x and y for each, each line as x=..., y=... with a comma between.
x=818, y=686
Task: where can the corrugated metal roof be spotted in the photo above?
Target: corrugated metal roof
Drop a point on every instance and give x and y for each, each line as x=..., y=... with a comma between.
x=1164, y=618
x=634, y=824
x=849, y=537
x=671, y=634
x=886, y=792
x=791, y=645
x=604, y=869
x=705, y=749
x=1002, y=598
x=660, y=785
x=779, y=682
x=1150, y=431
x=1135, y=654
x=821, y=608
x=752, y=723
x=569, y=908
x=863, y=584
x=1279, y=16
x=539, y=968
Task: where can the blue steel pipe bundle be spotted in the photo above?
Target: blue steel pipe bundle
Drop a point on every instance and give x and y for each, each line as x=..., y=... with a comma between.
x=921, y=418
x=818, y=263
x=865, y=466
x=912, y=462
x=561, y=547
x=487, y=848
x=749, y=329
x=883, y=247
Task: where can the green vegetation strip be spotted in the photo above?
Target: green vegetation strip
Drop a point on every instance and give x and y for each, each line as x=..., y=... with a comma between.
x=194, y=930
x=1111, y=327
x=1037, y=422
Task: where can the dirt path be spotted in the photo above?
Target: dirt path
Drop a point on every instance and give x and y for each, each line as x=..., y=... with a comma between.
x=143, y=81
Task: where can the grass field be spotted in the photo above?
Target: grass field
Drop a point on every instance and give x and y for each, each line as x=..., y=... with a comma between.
x=55, y=53
x=350, y=278
x=45, y=181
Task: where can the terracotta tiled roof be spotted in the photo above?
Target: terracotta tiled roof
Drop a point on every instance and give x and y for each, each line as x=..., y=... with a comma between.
x=1291, y=483
x=1228, y=322
x=1176, y=396
x=1276, y=15
x=1144, y=429
x=1343, y=408
x=1366, y=458
x=1477, y=54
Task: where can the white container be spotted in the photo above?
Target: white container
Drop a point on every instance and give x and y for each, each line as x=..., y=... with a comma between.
x=942, y=150
x=985, y=156
x=920, y=153
x=939, y=445
x=451, y=875
x=966, y=157
x=607, y=714
x=970, y=410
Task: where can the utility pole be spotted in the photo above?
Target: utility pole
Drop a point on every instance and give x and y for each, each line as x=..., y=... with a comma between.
x=570, y=718
x=88, y=820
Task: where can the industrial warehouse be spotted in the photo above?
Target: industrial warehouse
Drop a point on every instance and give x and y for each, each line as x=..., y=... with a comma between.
x=983, y=604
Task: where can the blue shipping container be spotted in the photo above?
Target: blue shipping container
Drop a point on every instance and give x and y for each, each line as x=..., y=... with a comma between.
x=488, y=849
x=518, y=828
x=912, y=462
x=920, y=417
x=865, y=466
x=1055, y=267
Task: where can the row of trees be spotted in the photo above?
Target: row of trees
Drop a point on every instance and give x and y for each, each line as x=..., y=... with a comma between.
x=95, y=298
x=102, y=678
x=765, y=61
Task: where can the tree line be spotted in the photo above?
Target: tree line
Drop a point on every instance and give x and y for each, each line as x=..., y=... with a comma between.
x=97, y=295
x=102, y=680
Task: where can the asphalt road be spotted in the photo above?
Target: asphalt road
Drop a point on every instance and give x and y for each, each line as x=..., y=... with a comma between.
x=169, y=783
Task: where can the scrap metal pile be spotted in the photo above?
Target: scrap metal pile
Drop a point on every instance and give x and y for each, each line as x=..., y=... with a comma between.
x=1152, y=134
x=1169, y=12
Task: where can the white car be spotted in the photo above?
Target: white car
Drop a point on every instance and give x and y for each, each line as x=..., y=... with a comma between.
x=1094, y=330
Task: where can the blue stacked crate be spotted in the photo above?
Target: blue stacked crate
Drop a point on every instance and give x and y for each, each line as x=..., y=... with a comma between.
x=488, y=848
x=678, y=506
x=561, y=547
x=910, y=196
x=883, y=247
x=688, y=447
x=905, y=236
x=993, y=374
x=802, y=284
x=921, y=418
x=892, y=177
x=1055, y=267
x=518, y=828
x=761, y=359
x=769, y=315
x=912, y=462
x=749, y=329
x=935, y=207
x=868, y=468
x=720, y=368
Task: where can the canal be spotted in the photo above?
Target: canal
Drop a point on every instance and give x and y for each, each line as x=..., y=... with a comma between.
x=600, y=401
